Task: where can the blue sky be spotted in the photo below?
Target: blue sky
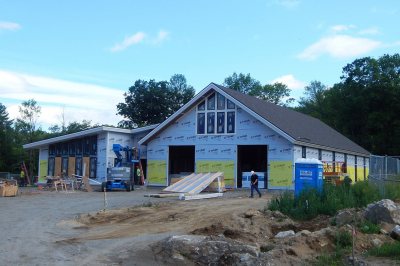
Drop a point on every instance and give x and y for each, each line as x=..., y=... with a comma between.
x=77, y=58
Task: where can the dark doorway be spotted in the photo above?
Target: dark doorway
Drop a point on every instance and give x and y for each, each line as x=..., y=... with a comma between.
x=181, y=160
x=252, y=157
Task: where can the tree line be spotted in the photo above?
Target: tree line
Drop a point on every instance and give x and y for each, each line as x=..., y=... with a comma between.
x=364, y=106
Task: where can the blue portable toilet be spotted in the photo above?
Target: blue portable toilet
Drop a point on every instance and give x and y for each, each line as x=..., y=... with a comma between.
x=308, y=174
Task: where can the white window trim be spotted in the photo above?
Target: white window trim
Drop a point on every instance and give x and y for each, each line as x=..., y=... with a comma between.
x=216, y=111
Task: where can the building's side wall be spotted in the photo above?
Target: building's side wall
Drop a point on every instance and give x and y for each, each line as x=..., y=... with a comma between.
x=360, y=169
x=311, y=153
x=351, y=170
x=43, y=164
x=327, y=156
x=219, y=152
x=355, y=164
x=102, y=159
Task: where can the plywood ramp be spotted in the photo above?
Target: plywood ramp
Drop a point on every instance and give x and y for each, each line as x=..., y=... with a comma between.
x=194, y=183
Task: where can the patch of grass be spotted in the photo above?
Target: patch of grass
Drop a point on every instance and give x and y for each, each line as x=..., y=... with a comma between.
x=334, y=259
x=390, y=250
x=365, y=193
x=343, y=239
x=311, y=203
x=368, y=227
x=392, y=191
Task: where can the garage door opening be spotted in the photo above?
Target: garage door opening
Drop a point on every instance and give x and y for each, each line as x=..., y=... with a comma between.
x=252, y=157
x=181, y=161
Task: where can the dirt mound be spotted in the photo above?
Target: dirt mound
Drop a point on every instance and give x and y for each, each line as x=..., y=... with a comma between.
x=224, y=224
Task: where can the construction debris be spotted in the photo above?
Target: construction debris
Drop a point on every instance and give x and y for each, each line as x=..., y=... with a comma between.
x=196, y=183
x=8, y=188
x=189, y=187
x=200, y=196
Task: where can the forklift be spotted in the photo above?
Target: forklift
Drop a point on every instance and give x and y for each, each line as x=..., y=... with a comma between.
x=121, y=176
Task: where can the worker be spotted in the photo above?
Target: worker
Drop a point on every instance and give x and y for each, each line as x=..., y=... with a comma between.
x=254, y=184
x=344, y=168
x=22, y=178
x=138, y=173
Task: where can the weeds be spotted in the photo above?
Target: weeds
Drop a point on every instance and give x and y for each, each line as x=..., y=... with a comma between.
x=367, y=227
x=343, y=239
x=391, y=250
x=334, y=259
x=392, y=191
x=311, y=203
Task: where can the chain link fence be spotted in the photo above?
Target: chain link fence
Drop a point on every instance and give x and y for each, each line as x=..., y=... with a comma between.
x=384, y=171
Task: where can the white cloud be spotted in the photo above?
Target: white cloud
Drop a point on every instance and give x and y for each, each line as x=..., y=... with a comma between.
x=340, y=28
x=369, y=31
x=129, y=41
x=140, y=37
x=162, y=36
x=290, y=81
x=339, y=46
x=79, y=100
x=5, y=25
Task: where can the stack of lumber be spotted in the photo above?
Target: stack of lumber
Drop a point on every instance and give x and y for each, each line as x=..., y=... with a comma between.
x=195, y=183
x=8, y=188
x=214, y=186
x=189, y=187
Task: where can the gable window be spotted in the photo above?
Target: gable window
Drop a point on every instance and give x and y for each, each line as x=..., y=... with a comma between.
x=220, y=122
x=216, y=115
x=230, y=105
x=211, y=102
x=220, y=102
x=231, y=122
x=210, y=122
x=201, y=119
x=303, y=152
x=202, y=106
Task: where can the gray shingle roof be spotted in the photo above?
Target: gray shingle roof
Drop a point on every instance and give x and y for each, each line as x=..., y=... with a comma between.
x=299, y=126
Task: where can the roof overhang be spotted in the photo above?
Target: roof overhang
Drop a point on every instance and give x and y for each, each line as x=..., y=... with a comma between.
x=322, y=147
x=200, y=96
x=85, y=133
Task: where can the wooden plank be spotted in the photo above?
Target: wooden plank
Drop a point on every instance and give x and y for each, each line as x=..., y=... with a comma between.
x=86, y=161
x=195, y=183
x=57, y=166
x=189, y=187
x=202, y=196
x=206, y=181
x=184, y=183
x=165, y=195
x=8, y=190
x=181, y=183
x=71, y=166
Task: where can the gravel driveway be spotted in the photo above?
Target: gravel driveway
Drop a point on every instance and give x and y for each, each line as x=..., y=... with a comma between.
x=32, y=223
x=35, y=223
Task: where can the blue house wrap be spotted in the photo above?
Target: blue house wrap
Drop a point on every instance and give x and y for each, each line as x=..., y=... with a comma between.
x=224, y=130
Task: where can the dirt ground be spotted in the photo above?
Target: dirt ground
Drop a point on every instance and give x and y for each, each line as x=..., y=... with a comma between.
x=59, y=228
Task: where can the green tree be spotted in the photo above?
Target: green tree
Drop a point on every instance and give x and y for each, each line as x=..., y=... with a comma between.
x=243, y=83
x=364, y=106
x=314, y=102
x=181, y=91
x=26, y=127
x=30, y=113
x=151, y=102
x=277, y=93
x=6, y=140
x=72, y=127
x=369, y=103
